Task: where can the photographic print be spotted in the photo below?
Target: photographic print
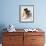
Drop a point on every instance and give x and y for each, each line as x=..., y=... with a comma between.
x=26, y=13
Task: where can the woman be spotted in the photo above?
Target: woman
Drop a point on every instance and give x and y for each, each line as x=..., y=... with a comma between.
x=26, y=13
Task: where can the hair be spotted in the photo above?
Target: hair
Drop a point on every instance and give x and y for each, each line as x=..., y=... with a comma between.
x=27, y=11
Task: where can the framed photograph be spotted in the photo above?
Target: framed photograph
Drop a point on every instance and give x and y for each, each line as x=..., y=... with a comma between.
x=26, y=13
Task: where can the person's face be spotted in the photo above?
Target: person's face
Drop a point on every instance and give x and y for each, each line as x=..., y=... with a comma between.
x=24, y=13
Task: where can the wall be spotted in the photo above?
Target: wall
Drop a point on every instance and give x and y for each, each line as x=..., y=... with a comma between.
x=10, y=13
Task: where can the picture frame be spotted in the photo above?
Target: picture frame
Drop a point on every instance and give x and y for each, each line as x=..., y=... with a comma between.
x=26, y=13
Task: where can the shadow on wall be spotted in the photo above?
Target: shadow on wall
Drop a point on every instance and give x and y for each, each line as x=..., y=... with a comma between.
x=2, y=26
